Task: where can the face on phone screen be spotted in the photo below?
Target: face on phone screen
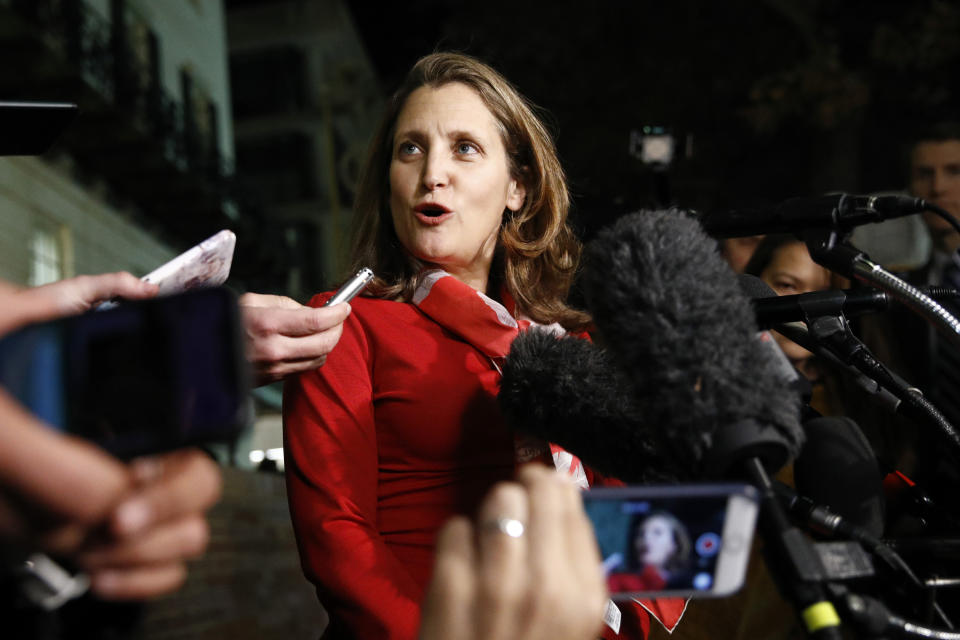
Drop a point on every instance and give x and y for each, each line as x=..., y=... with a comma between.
x=667, y=541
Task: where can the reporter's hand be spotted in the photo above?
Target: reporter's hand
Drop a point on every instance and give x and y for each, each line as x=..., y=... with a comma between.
x=67, y=297
x=285, y=337
x=544, y=584
x=132, y=527
x=156, y=528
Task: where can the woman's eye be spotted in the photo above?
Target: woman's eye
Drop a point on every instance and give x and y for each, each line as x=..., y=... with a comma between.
x=784, y=287
x=466, y=148
x=407, y=148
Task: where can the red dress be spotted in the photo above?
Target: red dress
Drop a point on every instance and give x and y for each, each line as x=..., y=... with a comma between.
x=398, y=431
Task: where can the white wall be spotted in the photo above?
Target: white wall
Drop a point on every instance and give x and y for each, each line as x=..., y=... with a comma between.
x=36, y=193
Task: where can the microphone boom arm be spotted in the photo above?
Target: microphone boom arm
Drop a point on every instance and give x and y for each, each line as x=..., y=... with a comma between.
x=834, y=333
x=830, y=248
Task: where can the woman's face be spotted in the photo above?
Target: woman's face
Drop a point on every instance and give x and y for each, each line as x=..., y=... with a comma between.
x=450, y=181
x=655, y=544
x=793, y=271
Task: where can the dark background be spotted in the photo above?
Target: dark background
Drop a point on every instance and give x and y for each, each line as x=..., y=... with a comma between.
x=781, y=98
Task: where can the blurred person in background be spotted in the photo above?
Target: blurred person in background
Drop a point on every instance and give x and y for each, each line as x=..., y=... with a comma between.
x=738, y=251
x=783, y=262
x=904, y=340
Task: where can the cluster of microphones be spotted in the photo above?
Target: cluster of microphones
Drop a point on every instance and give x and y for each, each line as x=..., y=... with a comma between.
x=679, y=385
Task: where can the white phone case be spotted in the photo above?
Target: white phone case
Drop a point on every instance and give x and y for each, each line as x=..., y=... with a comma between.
x=204, y=265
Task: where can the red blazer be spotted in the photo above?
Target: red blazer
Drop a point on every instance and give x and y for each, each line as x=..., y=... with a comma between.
x=398, y=431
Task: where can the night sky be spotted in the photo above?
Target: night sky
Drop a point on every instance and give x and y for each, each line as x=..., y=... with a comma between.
x=776, y=98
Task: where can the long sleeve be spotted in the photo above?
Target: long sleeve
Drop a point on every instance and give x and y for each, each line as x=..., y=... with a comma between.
x=332, y=479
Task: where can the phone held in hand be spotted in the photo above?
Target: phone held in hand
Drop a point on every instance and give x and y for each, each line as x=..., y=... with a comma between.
x=144, y=377
x=678, y=540
x=204, y=265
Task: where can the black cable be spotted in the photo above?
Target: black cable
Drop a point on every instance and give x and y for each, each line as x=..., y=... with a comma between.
x=823, y=520
x=793, y=560
x=943, y=213
x=874, y=616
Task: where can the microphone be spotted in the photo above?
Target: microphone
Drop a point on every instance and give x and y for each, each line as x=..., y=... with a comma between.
x=771, y=311
x=704, y=395
x=661, y=294
x=568, y=391
x=838, y=211
x=838, y=468
x=686, y=366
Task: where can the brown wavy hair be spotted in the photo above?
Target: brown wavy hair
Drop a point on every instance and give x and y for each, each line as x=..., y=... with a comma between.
x=537, y=254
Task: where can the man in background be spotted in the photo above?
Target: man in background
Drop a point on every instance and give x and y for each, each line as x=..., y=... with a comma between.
x=906, y=341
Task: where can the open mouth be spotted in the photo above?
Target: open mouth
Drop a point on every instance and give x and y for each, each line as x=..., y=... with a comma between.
x=431, y=210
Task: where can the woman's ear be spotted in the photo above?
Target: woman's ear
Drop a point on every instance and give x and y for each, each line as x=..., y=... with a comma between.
x=516, y=194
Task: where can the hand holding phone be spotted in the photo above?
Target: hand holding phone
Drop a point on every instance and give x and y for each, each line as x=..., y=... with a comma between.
x=684, y=540
x=131, y=527
x=67, y=297
x=526, y=568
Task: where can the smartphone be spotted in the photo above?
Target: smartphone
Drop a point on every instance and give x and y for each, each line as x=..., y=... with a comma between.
x=349, y=290
x=30, y=128
x=144, y=377
x=678, y=540
x=204, y=265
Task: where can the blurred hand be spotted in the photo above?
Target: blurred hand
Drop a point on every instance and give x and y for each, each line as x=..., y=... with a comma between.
x=67, y=297
x=131, y=526
x=544, y=584
x=158, y=525
x=285, y=337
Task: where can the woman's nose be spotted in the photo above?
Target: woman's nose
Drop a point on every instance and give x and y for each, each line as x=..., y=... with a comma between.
x=436, y=172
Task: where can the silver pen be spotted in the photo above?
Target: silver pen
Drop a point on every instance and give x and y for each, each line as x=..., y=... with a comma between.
x=351, y=287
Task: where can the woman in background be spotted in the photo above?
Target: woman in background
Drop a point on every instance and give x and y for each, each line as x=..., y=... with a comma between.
x=784, y=263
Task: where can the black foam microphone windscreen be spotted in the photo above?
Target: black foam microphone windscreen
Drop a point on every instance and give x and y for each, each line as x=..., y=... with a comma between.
x=568, y=391
x=678, y=324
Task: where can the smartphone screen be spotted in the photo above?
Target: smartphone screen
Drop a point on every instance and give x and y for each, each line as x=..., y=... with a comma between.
x=141, y=378
x=684, y=540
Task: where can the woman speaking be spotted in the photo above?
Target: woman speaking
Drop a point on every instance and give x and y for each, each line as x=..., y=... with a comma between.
x=462, y=215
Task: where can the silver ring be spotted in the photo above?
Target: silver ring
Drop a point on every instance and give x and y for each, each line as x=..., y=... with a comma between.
x=507, y=526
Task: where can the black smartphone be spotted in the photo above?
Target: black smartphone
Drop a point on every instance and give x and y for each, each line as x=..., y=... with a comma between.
x=681, y=540
x=144, y=377
x=30, y=128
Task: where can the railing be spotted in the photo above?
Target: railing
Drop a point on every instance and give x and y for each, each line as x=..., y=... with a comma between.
x=100, y=53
